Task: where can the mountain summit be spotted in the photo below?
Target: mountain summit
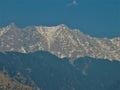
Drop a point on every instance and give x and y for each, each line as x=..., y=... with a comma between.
x=59, y=40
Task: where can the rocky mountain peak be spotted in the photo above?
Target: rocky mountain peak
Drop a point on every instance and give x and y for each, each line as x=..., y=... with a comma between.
x=59, y=40
x=63, y=26
x=12, y=26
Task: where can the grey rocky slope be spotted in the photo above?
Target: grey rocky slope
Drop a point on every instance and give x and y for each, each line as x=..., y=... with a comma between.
x=58, y=40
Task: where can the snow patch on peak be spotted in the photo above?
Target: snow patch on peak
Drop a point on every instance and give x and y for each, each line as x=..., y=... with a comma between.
x=47, y=33
x=4, y=30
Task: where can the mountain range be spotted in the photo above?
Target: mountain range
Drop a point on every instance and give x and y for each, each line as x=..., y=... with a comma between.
x=60, y=40
x=57, y=58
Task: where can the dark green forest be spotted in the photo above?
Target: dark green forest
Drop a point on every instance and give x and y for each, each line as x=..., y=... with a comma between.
x=52, y=73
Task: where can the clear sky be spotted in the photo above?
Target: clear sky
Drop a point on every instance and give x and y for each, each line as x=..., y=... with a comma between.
x=99, y=18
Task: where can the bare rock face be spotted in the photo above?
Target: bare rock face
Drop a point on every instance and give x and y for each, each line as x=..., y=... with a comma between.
x=58, y=40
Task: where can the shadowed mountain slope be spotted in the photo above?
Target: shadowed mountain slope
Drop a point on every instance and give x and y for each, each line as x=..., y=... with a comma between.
x=52, y=73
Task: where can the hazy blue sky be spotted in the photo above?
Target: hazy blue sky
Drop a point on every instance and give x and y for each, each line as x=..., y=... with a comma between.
x=99, y=18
